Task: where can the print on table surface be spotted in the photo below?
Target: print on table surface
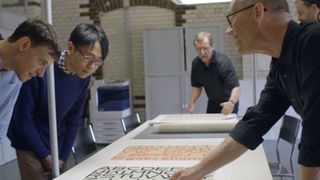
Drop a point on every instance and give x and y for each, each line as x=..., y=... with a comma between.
x=137, y=173
x=179, y=153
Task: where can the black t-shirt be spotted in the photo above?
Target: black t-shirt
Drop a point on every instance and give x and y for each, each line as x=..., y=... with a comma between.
x=218, y=79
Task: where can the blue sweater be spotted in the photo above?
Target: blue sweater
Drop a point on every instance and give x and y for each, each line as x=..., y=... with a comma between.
x=29, y=127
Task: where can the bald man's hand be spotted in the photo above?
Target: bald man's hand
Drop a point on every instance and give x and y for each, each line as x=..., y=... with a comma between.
x=187, y=174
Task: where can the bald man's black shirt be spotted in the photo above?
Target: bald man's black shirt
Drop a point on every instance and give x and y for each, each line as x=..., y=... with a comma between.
x=294, y=79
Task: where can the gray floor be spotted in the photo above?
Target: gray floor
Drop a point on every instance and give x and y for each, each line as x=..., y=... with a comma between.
x=10, y=171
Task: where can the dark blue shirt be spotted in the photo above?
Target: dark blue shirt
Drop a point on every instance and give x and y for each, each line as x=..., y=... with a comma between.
x=294, y=79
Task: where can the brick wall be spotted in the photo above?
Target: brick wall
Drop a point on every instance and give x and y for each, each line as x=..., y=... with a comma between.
x=17, y=6
x=141, y=18
x=66, y=14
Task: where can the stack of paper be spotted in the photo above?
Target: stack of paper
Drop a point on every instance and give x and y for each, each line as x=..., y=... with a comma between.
x=194, y=123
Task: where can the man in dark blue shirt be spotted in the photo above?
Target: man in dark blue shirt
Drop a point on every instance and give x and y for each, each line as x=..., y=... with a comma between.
x=265, y=26
x=213, y=71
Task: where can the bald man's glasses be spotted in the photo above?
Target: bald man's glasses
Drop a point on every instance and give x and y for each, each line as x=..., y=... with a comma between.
x=229, y=16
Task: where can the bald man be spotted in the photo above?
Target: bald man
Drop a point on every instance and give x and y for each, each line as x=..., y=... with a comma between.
x=265, y=26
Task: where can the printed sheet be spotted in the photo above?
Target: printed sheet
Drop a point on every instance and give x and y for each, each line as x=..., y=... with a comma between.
x=179, y=153
x=137, y=173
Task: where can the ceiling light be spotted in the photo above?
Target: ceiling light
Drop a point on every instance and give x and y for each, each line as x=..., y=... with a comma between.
x=189, y=2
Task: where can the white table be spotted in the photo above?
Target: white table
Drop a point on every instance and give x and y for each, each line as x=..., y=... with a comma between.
x=252, y=165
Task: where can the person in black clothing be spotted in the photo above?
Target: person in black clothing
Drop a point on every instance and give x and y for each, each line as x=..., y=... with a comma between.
x=308, y=10
x=213, y=71
x=265, y=26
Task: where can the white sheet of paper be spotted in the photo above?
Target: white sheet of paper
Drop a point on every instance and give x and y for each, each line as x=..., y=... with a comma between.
x=194, y=123
x=191, y=118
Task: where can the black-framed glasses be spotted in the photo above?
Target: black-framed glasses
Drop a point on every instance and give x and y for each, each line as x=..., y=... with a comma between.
x=236, y=12
x=90, y=60
x=205, y=49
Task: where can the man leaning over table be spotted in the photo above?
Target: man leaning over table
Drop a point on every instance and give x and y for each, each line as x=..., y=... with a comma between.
x=214, y=72
x=28, y=51
x=29, y=128
x=265, y=26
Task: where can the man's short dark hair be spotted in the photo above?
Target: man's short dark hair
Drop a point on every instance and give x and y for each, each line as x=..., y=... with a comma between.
x=308, y=3
x=88, y=35
x=40, y=33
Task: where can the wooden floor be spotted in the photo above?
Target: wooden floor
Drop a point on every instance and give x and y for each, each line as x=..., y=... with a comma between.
x=10, y=171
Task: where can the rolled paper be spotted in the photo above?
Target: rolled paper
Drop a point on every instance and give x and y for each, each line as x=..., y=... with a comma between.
x=195, y=126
